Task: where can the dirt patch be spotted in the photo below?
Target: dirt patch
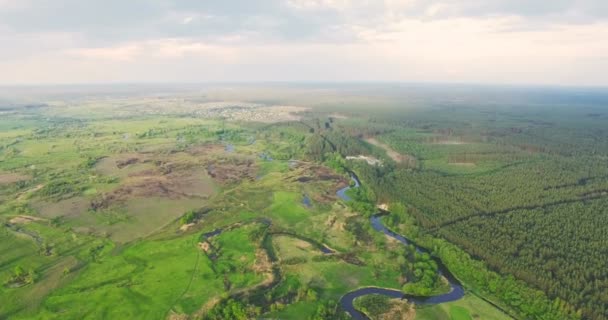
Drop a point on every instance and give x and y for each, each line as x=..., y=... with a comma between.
x=177, y=316
x=8, y=178
x=206, y=307
x=25, y=193
x=369, y=159
x=68, y=207
x=24, y=219
x=308, y=172
x=232, y=170
x=304, y=179
x=326, y=197
x=262, y=262
x=205, y=246
x=302, y=245
x=317, y=175
x=396, y=156
x=123, y=163
x=399, y=310
x=143, y=187
x=331, y=221
x=186, y=227
x=177, y=184
x=206, y=149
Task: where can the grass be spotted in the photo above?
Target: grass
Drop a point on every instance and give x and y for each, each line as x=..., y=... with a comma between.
x=286, y=208
x=459, y=313
x=298, y=310
x=145, y=281
x=236, y=256
x=290, y=248
x=468, y=308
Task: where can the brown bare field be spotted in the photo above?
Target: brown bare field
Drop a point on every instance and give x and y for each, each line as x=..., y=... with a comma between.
x=206, y=149
x=122, y=165
x=68, y=207
x=399, y=310
x=24, y=219
x=232, y=170
x=309, y=172
x=9, y=177
x=320, y=181
x=172, y=180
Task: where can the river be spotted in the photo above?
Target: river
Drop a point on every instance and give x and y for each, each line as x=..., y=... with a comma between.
x=347, y=301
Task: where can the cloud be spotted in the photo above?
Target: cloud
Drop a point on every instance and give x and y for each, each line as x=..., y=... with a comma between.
x=409, y=40
x=168, y=48
x=187, y=20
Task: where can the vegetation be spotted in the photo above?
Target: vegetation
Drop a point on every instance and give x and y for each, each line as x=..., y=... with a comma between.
x=108, y=211
x=373, y=304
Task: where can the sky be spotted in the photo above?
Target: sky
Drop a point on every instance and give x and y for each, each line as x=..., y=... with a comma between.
x=543, y=42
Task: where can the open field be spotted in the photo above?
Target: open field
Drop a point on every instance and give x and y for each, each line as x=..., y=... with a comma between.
x=468, y=308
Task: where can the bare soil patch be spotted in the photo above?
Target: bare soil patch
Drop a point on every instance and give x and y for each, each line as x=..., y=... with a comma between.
x=69, y=207
x=399, y=310
x=262, y=263
x=24, y=219
x=8, y=178
x=177, y=316
x=369, y=159
x=25, y=193
x=325, y=197
x=205, y=246
x=186, y=227
x=302, y=245
x=206, y=149
x=231, y=170
x=124, y=164
x=396, y=156
x=310, y=173
x=178, y=183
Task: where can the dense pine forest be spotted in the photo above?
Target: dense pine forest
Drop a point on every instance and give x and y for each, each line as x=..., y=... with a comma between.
x=523, y=189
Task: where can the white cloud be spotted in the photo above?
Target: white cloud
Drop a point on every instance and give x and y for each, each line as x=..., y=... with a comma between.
x=187, y=20
x=497, y=41
x=320, y=4
x=169, y=48
x=12, y=5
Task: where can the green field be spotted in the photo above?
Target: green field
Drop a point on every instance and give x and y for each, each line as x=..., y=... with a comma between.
x=468, y=308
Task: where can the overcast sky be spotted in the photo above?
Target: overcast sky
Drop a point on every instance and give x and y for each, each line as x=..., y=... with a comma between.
x=561, y=42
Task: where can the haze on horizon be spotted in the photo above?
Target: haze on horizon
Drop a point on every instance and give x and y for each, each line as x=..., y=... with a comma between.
x=557, y=42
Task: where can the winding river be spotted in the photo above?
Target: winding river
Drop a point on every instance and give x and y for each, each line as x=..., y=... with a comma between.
x=347, y=301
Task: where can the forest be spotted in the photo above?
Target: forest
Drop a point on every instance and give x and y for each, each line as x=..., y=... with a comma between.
x=526, y=192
